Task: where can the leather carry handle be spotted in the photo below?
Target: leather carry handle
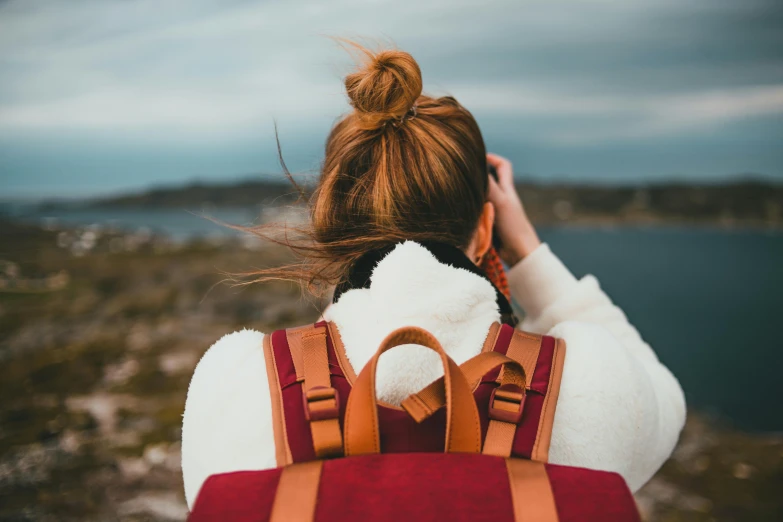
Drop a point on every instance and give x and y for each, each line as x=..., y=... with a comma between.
x=506, y=403
x=428, y=400
x=463, y=431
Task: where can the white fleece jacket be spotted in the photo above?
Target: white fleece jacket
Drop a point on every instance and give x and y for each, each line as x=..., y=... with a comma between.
x=619, y=408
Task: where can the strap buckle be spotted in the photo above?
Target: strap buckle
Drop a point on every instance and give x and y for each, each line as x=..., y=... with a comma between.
x=506, y=403
x=321, y=403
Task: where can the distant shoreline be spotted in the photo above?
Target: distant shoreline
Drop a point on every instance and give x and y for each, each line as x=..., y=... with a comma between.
x=741, y=204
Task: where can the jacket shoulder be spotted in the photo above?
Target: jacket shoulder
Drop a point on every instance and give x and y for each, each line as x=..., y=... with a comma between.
x=231, y=357
x=225, y=403
x=228, y=355
x=234, y=346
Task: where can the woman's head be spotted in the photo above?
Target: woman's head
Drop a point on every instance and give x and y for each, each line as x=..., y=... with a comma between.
x=400, y=166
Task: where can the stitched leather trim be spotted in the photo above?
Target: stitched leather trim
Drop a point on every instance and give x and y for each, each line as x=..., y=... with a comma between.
x=294, y=336
x=531, y=493
x=297, y=493
x=323, y=413
x=544, y=435
x=524, y=348
x=315, y=359
x=282, y=450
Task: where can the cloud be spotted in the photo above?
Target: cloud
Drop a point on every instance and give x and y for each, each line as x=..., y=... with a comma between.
x=190, y=110
x=187, y=110
x=565, y=74
x=631, y=117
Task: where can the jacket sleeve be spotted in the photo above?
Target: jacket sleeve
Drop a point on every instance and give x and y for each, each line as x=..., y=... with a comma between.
x=227, y=424
x=619, y=408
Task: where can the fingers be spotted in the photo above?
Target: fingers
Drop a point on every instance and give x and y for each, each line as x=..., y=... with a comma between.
x=494, y=159
x=495, y=192
x=504, y=169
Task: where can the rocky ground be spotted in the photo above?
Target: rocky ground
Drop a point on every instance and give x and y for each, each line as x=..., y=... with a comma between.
x=100, y=332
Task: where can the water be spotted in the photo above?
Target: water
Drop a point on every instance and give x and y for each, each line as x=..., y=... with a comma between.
x=179, y=225
x=708, y=301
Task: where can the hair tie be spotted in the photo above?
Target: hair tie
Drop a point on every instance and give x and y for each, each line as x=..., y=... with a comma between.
x=412, y=113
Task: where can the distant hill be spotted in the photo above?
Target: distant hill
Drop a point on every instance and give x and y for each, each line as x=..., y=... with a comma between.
x=746, y=202
x=242, y=194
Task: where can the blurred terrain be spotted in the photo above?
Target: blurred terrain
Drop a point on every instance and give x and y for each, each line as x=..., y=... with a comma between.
x=96, y=353
x=97, y=346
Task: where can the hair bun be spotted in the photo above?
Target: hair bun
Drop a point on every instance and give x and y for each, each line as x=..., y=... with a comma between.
x=386, y=87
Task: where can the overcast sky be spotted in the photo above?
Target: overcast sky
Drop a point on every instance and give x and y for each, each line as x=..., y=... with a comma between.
x=101, y=96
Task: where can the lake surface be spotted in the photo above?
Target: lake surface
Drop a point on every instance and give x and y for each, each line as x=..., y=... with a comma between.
x=179, y=225
x=708, y=301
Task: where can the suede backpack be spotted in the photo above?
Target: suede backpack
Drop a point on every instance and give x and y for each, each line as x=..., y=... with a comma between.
x=471, y=446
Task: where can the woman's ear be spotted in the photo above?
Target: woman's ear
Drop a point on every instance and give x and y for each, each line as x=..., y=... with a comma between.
x=482, y=239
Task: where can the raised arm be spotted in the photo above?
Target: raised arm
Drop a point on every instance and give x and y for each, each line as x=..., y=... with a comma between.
x=619, y=409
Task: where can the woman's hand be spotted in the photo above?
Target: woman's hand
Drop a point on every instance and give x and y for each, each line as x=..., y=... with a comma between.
x=517, y=234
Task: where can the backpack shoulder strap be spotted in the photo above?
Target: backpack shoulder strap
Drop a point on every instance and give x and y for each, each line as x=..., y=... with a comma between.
x=282, y=449
x=322, y=407
x=542, y=358
x=339, y=351
x=552, y=392
x=524, y=348
x=300, y=355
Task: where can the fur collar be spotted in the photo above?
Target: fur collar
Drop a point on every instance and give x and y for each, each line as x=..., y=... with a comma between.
x=360, y=274
x=410, y=287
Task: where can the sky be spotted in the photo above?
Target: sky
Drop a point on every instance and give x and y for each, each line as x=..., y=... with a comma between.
x=101, y=97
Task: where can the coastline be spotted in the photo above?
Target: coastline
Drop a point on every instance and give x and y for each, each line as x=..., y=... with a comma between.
x=739, y=204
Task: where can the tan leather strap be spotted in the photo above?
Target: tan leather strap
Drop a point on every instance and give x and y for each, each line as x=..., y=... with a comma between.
x=492, y=338
x=500, y=438
x=463, y=431
x=294, y=338
x=544, y=434
x=423, y=404
x=531, y=493
x=282, y=450
x=297, y=492
x=506, y=402
x=322, y=405
x=524, y=348
x=315, y=359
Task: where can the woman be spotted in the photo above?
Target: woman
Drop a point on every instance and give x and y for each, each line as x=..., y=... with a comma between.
x=403, y=211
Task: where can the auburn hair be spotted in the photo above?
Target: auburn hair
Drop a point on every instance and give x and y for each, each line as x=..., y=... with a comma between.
x=400, y=166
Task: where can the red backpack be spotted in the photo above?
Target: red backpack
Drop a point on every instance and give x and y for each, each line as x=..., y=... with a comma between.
x=471, y=446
